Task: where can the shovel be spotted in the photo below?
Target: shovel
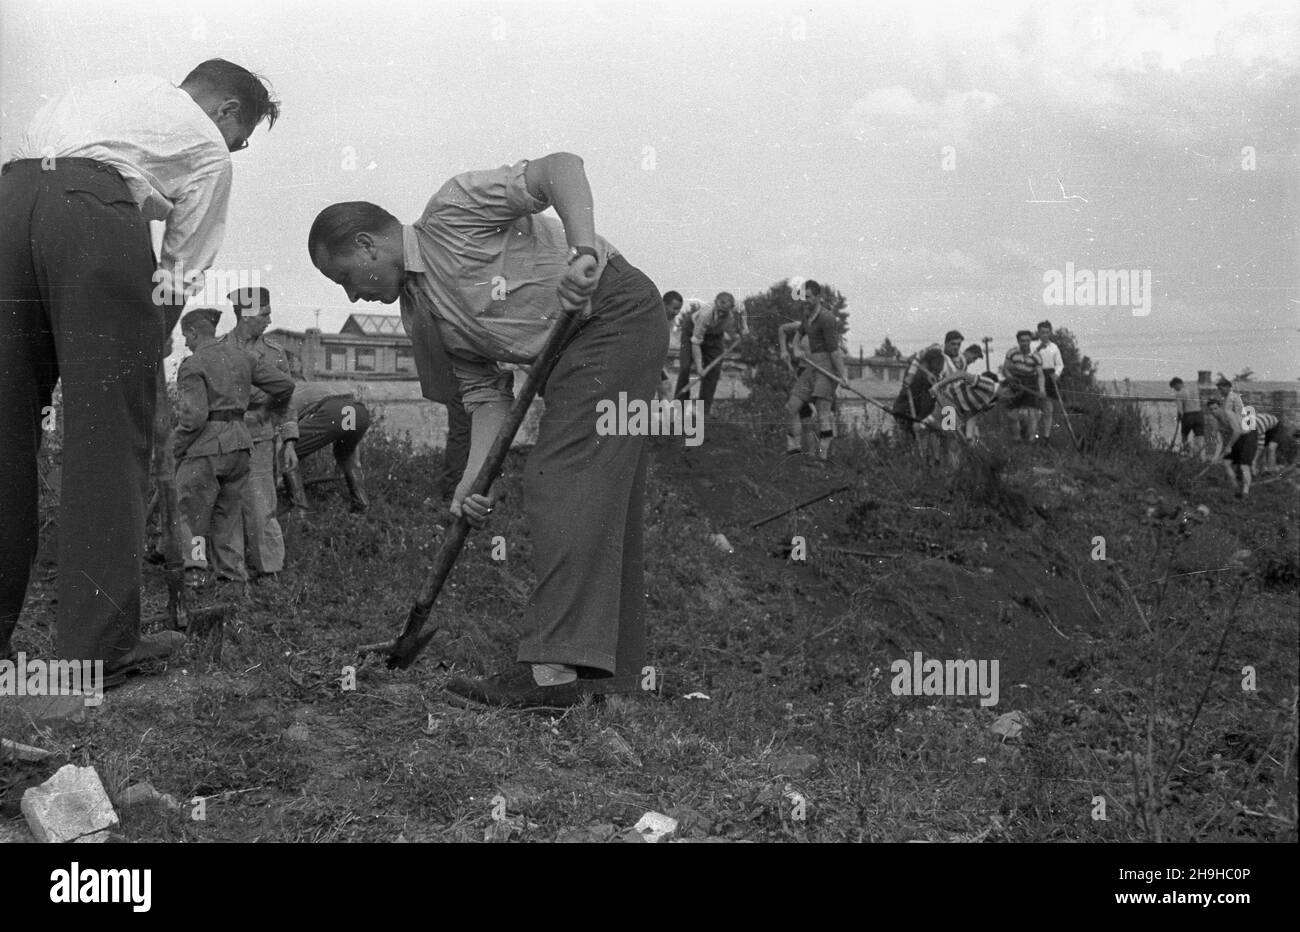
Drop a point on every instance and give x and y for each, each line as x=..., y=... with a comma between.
x=402, y=650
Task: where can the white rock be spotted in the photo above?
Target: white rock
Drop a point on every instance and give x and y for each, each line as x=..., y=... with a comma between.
x=654, y=826
x=69, y=806
x=145, y=793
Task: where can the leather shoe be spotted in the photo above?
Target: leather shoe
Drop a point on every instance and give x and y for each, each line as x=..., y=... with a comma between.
x=516, y=689
x=150, y=651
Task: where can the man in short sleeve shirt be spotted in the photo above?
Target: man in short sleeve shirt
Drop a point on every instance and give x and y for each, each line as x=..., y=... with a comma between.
x=480, y=277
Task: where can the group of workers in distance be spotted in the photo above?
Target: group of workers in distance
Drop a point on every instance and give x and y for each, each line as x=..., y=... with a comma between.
x=941, y=393
x=1242, y=435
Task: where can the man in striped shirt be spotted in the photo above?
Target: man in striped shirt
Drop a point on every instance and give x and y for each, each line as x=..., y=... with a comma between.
x=1023, y=371
x=958, y=399
x=1270, y=429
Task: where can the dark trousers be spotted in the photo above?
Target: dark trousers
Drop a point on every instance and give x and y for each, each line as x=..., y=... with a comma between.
x=709, y=351
x=328, y=422
x=456, y=454
x=76, y=262
x=684, y=363
x=584, y=493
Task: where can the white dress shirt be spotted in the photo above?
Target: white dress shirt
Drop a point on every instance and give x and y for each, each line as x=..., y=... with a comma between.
x=170, y=154
x=1050, y=356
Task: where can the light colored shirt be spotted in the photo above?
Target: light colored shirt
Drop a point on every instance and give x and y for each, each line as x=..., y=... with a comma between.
x=706, y=320
x=972, y=394
x=1049, y=354
x=167, y=150
x=481, y=285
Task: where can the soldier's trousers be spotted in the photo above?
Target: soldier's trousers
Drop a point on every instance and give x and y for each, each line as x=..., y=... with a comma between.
x=211, y=491
x=583, y=493
x=76, y=304
x=263, y=540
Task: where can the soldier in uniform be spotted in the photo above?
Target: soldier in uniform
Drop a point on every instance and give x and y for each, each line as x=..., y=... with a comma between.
x=212, y=444
x=322, y=414
x=263, y=541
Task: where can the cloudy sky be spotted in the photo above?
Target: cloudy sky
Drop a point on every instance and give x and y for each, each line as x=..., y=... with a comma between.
x=933, y=161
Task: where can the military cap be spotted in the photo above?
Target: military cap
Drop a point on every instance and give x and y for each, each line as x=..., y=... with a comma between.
x=250, y=302
x=211, y=314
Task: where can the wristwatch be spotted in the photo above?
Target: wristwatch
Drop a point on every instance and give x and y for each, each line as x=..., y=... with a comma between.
x=576, y=251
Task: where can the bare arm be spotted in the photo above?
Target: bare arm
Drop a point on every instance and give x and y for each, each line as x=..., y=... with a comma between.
x=837, y=361
x=784, y=333
x=560, y=180
x=486, y=422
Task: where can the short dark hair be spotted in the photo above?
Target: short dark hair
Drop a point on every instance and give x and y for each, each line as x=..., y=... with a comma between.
x=931, y=355
x=201, y=319
x=724, y=294
x=1224, y=383
x=1044, y=323
x=953, y=335
x=672, y=296
x=224, y=77
x=1024, y=333
x=811, y=287
x=975, y=350
x=1175, y=382
x=337, y=225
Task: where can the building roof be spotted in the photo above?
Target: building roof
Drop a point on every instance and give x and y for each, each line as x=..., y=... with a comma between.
x=373, y=325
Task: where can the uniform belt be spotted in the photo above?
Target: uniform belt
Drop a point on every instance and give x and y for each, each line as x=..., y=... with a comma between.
x=618, y=263
x=228, y=414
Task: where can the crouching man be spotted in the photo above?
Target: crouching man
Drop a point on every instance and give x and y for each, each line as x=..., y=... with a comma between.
x=323, y=414
x=958, y=399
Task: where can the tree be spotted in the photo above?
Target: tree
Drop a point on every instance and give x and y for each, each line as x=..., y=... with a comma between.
x=768, y=378
x=888, y=350
x=1080, y=370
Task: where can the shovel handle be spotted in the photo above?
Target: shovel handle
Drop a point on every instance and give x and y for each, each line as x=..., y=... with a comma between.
x=403, y=650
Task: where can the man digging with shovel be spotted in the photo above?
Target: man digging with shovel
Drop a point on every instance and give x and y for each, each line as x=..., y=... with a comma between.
x=481, y=280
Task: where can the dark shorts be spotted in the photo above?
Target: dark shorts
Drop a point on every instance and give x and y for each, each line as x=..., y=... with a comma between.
x=1022, y=397
x=811, y=385
x=1193, y=423
x=1274, y=433
x=1243, y=451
